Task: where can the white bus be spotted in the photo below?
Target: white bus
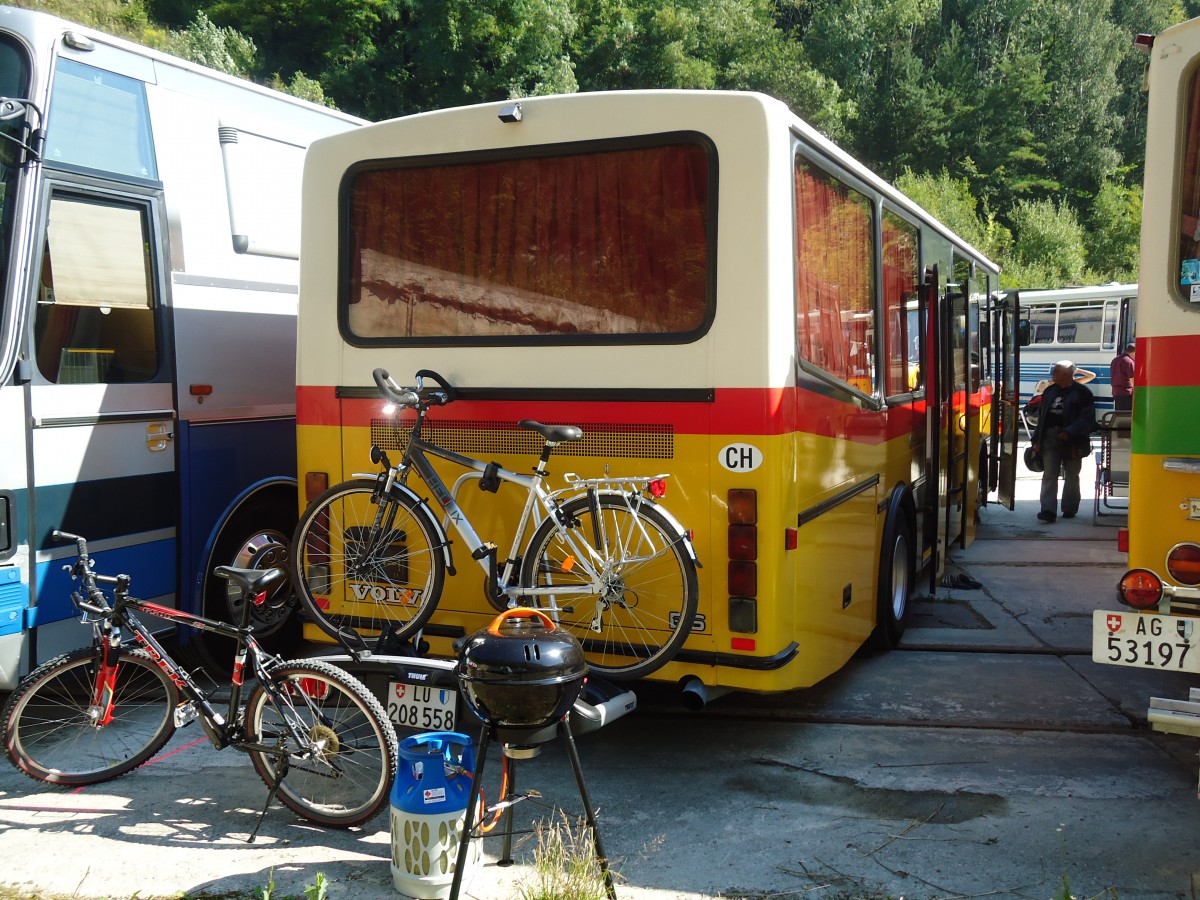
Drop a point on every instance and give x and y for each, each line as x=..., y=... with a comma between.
x=149, y=235
x=1087, y=325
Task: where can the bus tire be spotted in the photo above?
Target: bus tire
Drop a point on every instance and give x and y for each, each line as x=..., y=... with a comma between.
x=897, y=575
x=256, y=537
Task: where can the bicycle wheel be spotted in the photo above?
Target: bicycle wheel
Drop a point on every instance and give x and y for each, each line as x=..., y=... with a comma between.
x=342, y=775
x=50, y=735
x=644, y=610
x=367, y=565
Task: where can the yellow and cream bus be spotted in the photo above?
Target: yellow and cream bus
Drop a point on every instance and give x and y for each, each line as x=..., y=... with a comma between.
x=709, y=288
x=1158, y=628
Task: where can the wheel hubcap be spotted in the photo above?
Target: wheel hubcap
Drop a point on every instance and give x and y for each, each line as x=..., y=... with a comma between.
x=264, y=550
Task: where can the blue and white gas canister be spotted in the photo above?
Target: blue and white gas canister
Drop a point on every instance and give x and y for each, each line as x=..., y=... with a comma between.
x=429, y=805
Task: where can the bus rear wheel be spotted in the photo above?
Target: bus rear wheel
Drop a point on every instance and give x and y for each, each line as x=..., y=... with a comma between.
x=257, y=538
x=896, y=578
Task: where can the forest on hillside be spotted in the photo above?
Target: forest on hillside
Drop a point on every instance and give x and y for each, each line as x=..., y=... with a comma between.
x=1018, y=123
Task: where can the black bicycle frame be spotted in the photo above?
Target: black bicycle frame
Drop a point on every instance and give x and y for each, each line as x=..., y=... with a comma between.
x=219, y=729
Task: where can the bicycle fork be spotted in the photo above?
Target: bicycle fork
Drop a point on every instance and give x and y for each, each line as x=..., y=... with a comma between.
x=100, y=712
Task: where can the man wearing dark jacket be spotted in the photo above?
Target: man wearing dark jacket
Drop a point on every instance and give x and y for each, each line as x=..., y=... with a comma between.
x=1063, y=437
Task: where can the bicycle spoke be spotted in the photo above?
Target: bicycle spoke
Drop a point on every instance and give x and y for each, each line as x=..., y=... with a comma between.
x=51, y=735
x=641, y=585
x=340, y=748
x=365, y=566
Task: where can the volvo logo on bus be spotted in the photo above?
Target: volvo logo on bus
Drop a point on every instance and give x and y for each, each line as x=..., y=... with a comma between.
x=740, y=457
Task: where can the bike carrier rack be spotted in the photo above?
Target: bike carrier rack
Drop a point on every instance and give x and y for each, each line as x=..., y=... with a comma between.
x=600, y=702
x=1176, y=716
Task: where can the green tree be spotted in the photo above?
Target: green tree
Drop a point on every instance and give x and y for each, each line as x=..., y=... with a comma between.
x=702, y=44
x=130, y=20
x=309, y=36
x=1048, y=246
x=224, y=49
x=1114, y=224
x=1133, y=17
x=444, y=53
x=951, y=201
x=303, y=87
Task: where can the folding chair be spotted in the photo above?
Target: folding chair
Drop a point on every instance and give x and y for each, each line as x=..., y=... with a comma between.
x=1112, y=466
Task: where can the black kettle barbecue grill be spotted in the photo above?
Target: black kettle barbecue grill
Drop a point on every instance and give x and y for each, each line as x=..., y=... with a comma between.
x=520, y=676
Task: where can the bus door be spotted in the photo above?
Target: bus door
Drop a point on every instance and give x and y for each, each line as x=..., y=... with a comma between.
x=1006, y=369
x=101, y=391
x=956, y=345
x=937, y=412
x=1127, y=319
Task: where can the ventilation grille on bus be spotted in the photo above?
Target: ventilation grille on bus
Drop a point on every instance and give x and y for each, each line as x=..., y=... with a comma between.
x=480, y=438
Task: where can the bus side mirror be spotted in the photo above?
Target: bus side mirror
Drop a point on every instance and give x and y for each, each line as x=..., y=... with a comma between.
x=1023, y=333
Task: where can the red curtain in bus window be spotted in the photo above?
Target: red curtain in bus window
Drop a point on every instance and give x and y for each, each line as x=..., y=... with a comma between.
x=599, y=243
x=834, y=277
x=901, y=348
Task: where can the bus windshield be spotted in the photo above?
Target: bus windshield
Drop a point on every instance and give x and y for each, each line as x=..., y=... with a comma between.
x=14, y=82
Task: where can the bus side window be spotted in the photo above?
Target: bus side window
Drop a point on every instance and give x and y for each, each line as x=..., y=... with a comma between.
x=1042, y=318
x=835, y=277
x=901, y=335
x=95, y=320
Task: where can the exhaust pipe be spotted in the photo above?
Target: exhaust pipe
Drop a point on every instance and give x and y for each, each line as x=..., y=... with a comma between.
x=693, y=693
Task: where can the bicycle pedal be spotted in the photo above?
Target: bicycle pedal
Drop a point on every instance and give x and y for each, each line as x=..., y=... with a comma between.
x=184, y=713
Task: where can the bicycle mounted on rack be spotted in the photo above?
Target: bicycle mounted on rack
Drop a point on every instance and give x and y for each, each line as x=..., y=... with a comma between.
x=600, y=556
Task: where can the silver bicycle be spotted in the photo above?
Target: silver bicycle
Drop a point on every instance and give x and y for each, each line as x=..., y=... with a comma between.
x=603, y=558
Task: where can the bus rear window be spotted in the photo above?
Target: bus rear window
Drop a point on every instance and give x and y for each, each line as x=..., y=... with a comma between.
x=610, y=245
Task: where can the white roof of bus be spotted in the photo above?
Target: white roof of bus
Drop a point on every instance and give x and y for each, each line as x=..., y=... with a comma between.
x=45, y=30
x=1090, y=292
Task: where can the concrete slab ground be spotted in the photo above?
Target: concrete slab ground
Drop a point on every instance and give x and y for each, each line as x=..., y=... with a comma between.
x=988, y=756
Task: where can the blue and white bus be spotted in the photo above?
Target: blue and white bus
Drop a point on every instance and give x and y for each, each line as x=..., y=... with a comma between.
x=149, y=234
x=1087, y=325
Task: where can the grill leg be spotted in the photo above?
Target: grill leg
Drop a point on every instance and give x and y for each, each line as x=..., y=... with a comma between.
x=469, y=815
x=506, y=853
x=601, y=856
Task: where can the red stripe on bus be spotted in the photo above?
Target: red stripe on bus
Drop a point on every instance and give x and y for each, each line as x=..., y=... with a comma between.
x=735, y=411
x=1167, y=361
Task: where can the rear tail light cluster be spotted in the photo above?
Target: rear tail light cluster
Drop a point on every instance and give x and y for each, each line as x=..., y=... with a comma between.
x=743, y=565
x=317, y=563
x=1183, y=563
x=1141, y=589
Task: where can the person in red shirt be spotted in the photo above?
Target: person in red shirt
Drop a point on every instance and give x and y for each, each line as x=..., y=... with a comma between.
x=1122, y=378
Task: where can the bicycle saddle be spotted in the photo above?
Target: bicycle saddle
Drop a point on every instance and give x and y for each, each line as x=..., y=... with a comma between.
x=556, y=433
x=251, y=581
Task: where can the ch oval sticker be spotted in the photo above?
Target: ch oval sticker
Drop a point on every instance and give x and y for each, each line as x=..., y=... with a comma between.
x=740, y=457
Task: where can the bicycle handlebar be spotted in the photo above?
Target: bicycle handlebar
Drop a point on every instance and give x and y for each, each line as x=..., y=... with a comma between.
x=414, y=396
x=96, y=602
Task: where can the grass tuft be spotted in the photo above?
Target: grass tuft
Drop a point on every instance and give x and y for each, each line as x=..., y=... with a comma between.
x=564, y=865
